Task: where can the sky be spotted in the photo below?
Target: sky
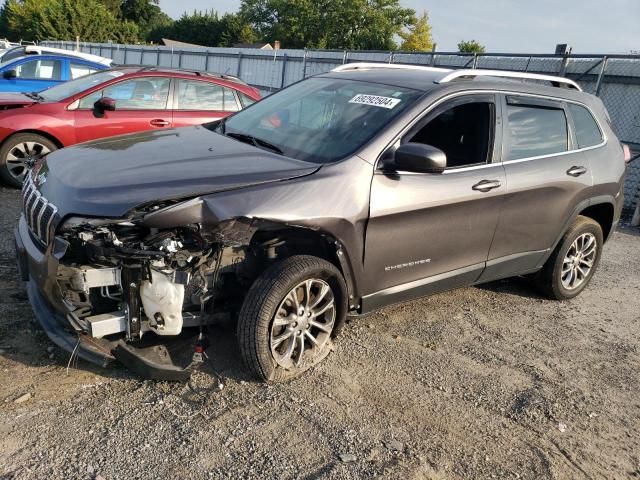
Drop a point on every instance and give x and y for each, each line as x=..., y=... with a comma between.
x=515, y=26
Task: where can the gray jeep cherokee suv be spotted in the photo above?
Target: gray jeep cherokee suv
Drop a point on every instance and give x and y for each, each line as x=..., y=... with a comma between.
x=352, y=190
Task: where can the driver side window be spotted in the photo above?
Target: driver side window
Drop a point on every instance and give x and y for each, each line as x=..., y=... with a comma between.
x=464, y=132
x=39, y=70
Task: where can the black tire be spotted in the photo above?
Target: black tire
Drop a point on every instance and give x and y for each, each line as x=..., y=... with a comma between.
x=264, y=298
x=11, y=172
x=549, y=279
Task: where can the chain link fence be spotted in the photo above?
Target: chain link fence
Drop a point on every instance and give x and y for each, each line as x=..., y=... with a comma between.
x=614, y=78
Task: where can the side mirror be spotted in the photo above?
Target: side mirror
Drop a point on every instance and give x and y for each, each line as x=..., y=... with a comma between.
x=9, y=74
x=420, y=158
x=104, y=104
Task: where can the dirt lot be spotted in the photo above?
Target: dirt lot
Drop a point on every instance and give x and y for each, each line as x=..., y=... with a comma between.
x=489, y=382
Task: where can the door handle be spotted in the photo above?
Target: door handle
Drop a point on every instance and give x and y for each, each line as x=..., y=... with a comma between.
x=158, y=122
x=576, y=171
x=486, y=185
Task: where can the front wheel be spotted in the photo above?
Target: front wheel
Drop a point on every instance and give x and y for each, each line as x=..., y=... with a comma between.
x=574, y=261
x=290, y=316
x=19, y=152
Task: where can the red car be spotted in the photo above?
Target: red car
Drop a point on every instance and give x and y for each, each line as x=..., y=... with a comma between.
x=112, y=102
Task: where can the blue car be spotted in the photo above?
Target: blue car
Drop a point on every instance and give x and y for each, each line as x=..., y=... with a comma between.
x=34, y=73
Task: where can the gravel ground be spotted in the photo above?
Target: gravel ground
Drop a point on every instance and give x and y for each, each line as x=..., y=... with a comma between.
x=488, y=382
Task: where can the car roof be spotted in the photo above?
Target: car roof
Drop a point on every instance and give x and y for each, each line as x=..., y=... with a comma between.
x=54, y=56
x=34, y=50
x=428, y=79
x=39, y=50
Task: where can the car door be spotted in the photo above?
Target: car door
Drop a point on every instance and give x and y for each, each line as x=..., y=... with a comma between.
x=429, y=232
x=142, y=103
x=547, y=177
x=31, y=74
x=198, y=101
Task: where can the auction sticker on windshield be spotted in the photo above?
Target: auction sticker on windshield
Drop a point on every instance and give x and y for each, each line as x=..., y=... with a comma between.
x=375, y=101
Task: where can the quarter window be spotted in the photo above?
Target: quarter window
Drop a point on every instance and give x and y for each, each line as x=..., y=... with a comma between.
x=196, y=95
x=462, y=132
x=146, y=93
x=536, y=131
x=587, y=131
x=246, y=99
x=39, y=70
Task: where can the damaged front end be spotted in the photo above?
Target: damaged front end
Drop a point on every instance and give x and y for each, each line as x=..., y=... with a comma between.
x=139, y=287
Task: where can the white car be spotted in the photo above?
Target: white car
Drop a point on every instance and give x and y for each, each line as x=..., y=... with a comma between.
x=6, y=44
x=25, y=50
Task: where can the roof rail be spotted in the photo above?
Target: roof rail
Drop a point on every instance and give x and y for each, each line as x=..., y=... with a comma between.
x=371, y=65
x=197, y=73
x=556, y=81
x=462, y=73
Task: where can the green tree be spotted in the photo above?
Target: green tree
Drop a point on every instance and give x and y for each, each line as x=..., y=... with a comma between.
x=114, y=6
x=470, y=46
x=418, y=38
x=88, y=19
x=352, y=24
x=4, y=19
x=64, y=20
x=21, y=18
x=207, y=28
x=234, y=30
x=202, y=28
x=146, y=14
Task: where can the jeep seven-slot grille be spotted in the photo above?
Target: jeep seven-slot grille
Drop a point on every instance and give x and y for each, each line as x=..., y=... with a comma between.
x=38, y=212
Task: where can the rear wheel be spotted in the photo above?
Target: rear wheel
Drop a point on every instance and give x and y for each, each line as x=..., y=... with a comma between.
x=574, y=261
x=19, y=152
x=289, y=317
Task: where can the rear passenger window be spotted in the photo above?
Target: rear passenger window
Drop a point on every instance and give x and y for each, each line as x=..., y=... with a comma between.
x=536, y=131
x=198, y=95
x=587, y=131
x=80, y=70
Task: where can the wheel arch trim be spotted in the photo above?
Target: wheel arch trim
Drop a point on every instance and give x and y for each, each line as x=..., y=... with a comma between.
x=339, y=253
x=579, y=208
x=43, y=133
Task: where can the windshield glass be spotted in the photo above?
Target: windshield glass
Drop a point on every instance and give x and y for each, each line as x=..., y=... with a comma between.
x=69, y=89
x=11, y=54
x=321, y=119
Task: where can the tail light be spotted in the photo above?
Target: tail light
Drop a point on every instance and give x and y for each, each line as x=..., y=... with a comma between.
x=627, y=153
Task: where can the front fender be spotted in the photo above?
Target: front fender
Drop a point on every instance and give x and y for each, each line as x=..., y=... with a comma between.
x=333, y=201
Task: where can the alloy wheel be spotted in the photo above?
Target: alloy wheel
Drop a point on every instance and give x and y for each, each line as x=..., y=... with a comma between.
x=22, y=157
x=579, y=261
x=303, y=323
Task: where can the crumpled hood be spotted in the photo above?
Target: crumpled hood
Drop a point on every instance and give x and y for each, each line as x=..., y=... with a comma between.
x=109, y=177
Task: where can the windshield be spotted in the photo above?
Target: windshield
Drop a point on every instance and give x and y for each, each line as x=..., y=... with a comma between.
x=69, y=89
x=321, y=119
x=11, y=54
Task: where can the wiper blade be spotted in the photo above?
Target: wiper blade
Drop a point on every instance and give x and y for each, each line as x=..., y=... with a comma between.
x=34, y=95
x=242, y=137
x=256, y=142
x=268, y=145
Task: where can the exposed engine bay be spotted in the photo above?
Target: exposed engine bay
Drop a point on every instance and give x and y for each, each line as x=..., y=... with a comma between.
x=135, y=289
x=124, y=278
